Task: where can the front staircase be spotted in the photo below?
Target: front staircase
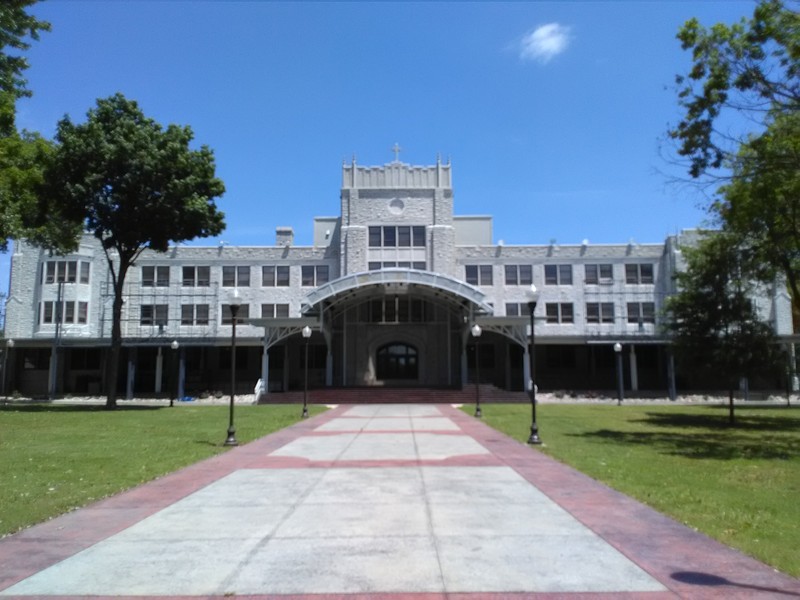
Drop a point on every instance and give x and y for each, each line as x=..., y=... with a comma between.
x=395, y=395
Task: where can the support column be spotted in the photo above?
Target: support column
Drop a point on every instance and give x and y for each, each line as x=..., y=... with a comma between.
x=671, y=387
x=159, y=370
x=265, y=369
x=182, y=374
x=131, y=373
x=634, y=368
x=463, y=365
x=286, y=367
x=52, y=378
x=329, y=368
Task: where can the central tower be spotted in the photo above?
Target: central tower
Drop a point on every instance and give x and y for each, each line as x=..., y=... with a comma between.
x=397, y=215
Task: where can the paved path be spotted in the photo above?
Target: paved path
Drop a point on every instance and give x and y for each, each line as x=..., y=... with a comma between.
x=385, y=502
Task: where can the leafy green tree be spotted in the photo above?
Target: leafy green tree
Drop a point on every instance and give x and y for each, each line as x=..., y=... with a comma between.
x=751, y=69
x=21, y=155
x=761, y=204
x=17, y=27
x=712, y=320
x=134, y=185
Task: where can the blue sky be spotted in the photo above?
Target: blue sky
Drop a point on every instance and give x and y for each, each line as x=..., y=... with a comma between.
x=551, y=112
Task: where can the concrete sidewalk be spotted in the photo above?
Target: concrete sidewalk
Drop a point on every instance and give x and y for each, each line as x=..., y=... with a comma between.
x=400, y=501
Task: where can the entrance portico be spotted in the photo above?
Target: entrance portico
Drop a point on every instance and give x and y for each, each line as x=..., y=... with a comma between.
x=393, y=327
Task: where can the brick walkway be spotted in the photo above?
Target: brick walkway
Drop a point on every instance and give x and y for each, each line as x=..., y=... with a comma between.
x=389, y=501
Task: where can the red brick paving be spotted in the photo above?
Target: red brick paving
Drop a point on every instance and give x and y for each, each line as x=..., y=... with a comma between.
x=687, y=563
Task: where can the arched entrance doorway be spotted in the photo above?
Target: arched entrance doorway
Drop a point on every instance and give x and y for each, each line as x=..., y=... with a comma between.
x=397, y=361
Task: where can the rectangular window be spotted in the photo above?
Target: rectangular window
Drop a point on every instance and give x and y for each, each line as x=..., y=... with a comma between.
x=83, y=312
x=194, y=314
x=392, y=236
x=84, y=272
x=65, y=271
x=235, y=276
x=244, y=313
x=641, y=312
x=479, y=274
x=374, y=266
x=600, y=312
x=69, y=312
x=311, y=275
x=512, y=309
x=155, y=276
x=201, y=314
x=274, y=311
x=196, y=276
x=519, y=274
x=639, y=273
x=599, y=274
x=47, y=312
x=559, y=312
x=558, y=274
x=389, y=237
x=275, y=276
x=404, y=236
x=418, y=236
x=374, y=237
x=153, y=314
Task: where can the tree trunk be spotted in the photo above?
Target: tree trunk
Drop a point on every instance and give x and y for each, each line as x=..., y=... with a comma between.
x=731, y=418
x=112, y=367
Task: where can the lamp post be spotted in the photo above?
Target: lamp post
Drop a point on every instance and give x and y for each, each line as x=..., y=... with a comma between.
x=533, y=298
x=174, y=388
x=618, y=352
x=9, y=346
x=236, y=303
x=306, y=336
x=476, y=333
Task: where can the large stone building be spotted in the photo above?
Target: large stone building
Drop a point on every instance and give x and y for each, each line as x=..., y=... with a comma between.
x=391, y=289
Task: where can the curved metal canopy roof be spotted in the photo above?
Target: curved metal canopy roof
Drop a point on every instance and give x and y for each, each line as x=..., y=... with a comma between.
x=362, y=286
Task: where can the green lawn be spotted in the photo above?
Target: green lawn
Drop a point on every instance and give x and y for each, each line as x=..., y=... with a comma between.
x=56, y=458
x=740, y=485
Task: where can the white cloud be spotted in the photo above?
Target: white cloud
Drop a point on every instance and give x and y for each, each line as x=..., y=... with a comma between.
x=544, y=42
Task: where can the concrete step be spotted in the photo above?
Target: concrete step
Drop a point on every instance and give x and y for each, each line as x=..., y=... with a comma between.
x=395, y=395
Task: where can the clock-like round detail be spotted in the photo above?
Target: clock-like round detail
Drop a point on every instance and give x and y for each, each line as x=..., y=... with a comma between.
x=396, y=206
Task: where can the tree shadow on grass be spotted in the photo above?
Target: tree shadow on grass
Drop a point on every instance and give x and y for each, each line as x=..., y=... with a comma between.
x=746, y=420
x=725, y=445
x=66, y=408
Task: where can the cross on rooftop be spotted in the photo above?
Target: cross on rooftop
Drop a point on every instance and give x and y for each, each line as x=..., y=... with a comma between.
x=396, y=149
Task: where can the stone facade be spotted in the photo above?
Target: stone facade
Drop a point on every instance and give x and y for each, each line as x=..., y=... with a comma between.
x=375, y=322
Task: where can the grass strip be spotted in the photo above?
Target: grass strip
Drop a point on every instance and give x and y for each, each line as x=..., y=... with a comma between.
x=55, y=458
x=739, y=485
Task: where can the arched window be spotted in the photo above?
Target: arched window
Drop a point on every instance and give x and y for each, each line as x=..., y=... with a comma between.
x=396, y=361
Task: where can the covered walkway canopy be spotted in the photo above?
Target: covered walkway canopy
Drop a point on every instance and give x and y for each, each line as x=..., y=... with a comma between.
x=359, y=286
